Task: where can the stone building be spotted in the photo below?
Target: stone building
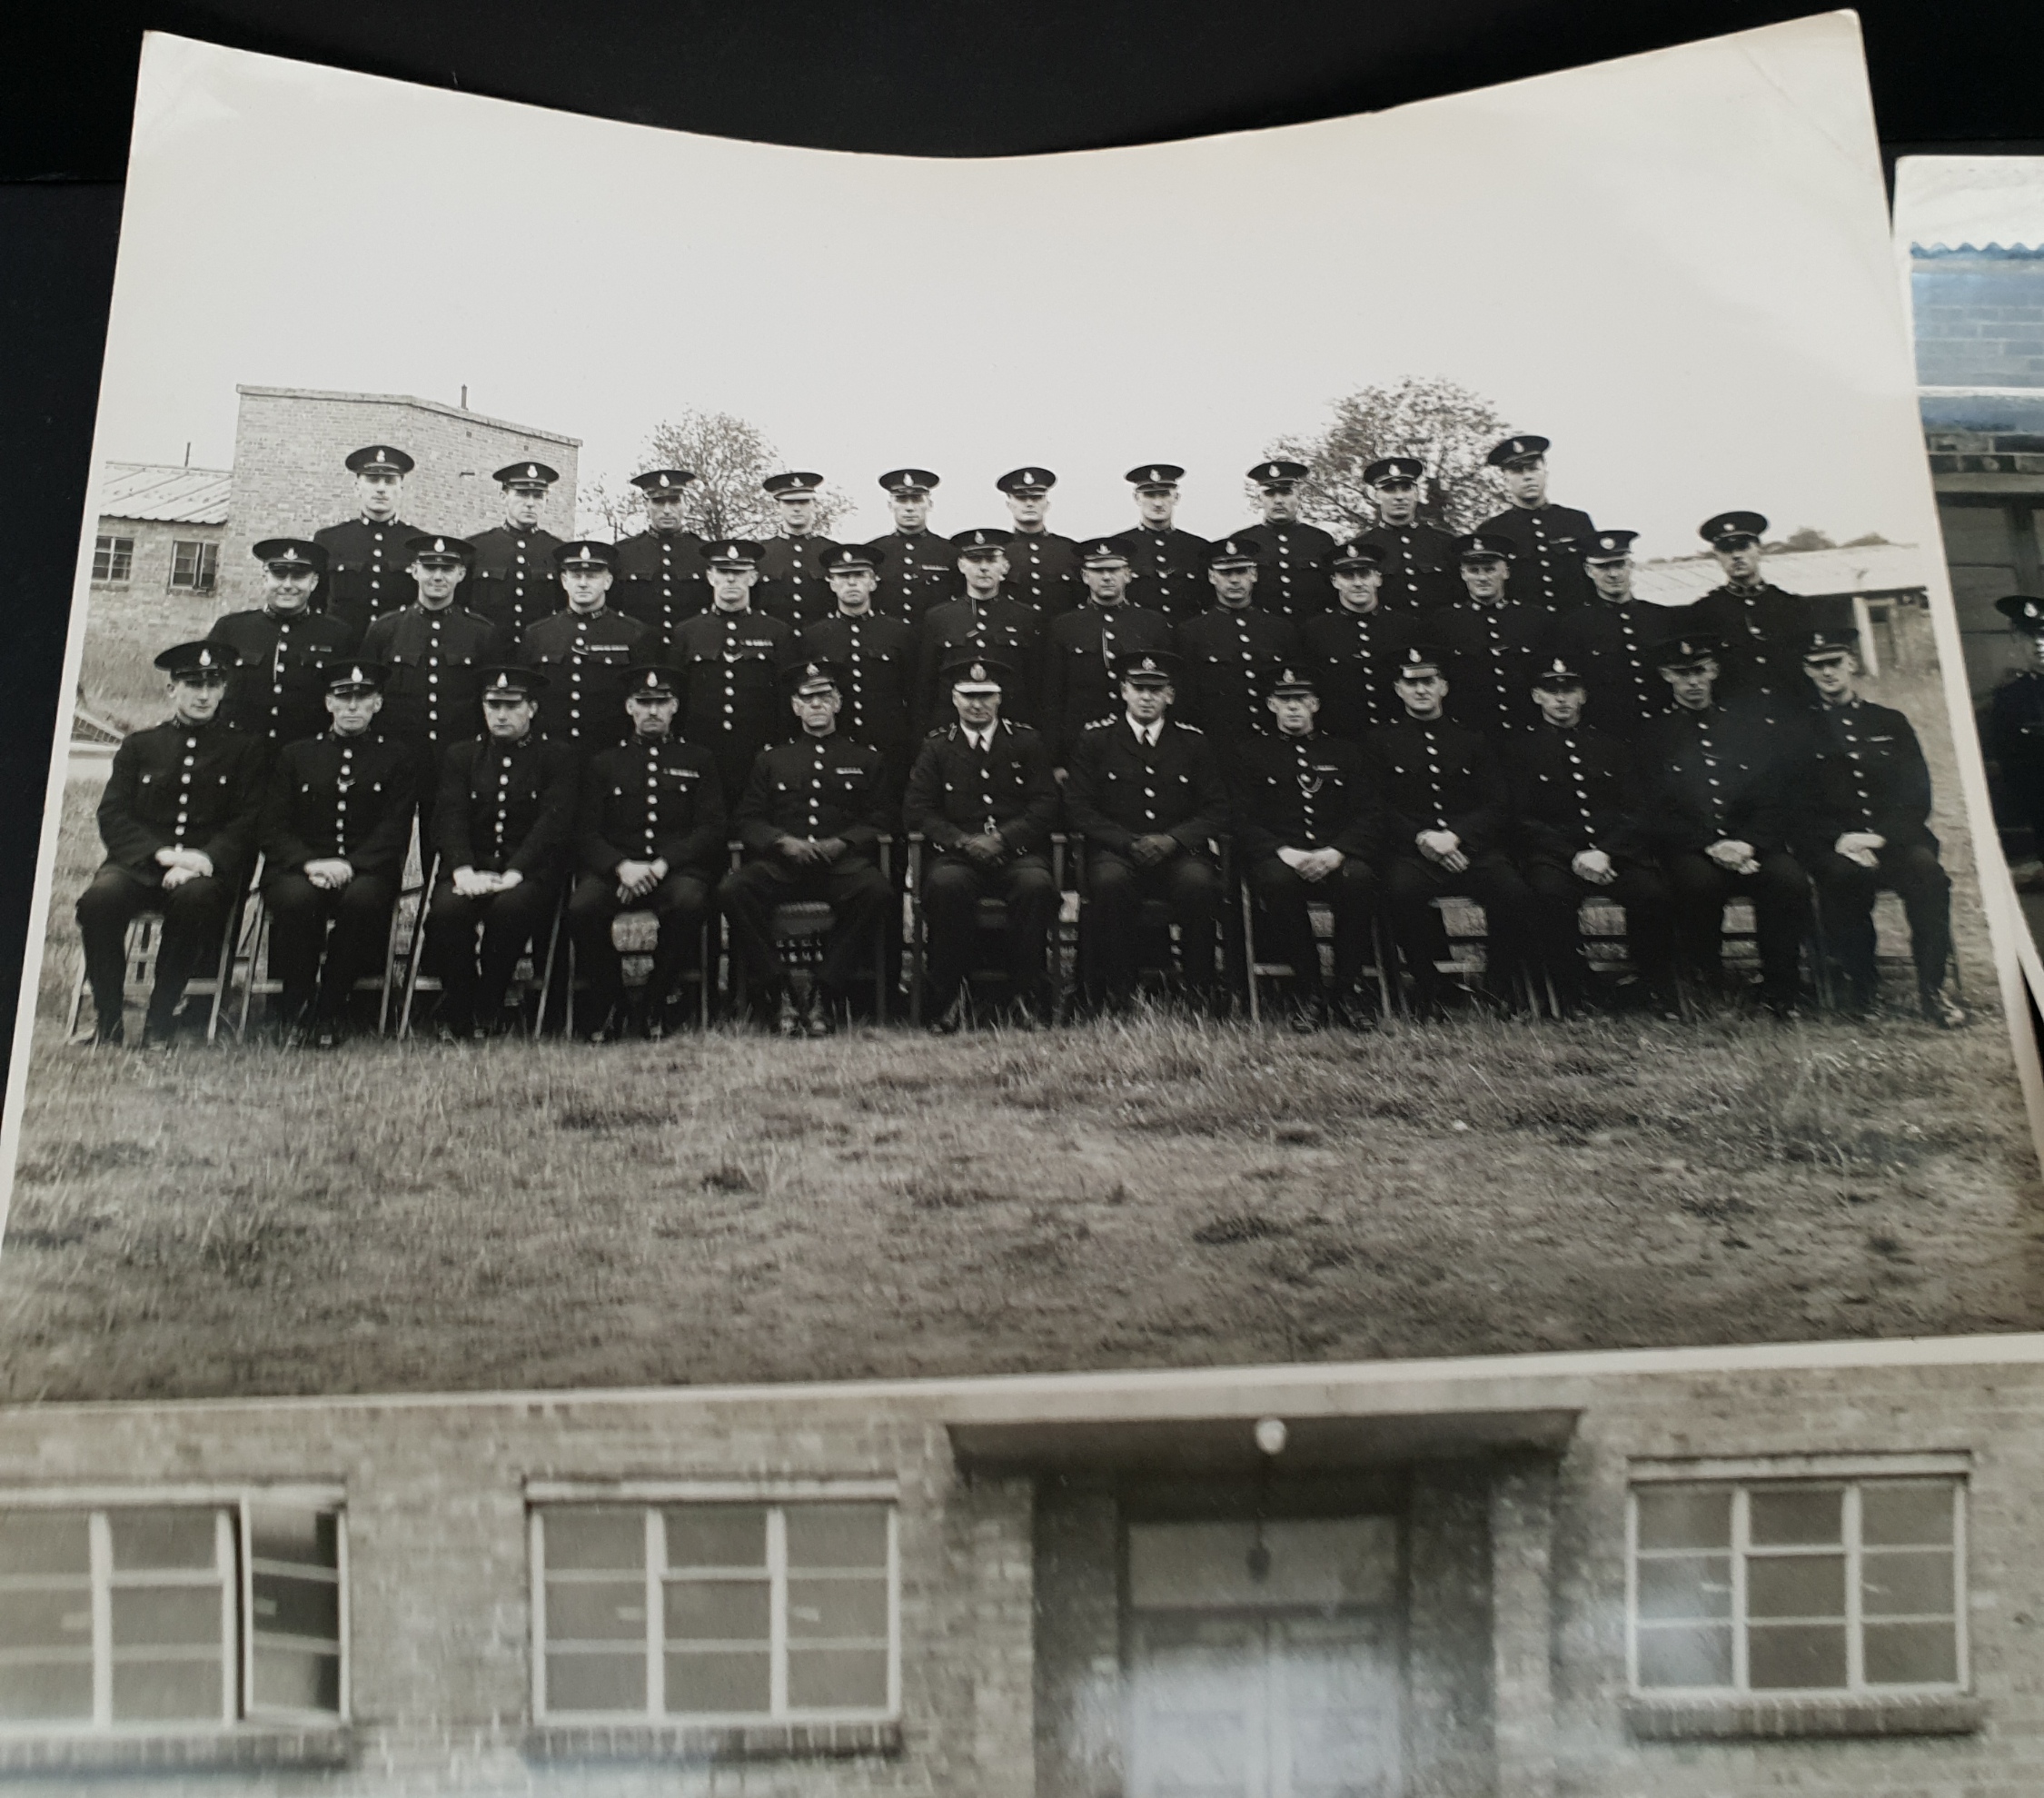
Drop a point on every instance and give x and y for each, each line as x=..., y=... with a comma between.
x=160, y=530
x=1687, y=1573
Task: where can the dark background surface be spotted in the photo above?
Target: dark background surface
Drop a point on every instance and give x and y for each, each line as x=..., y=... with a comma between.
x=928, y=77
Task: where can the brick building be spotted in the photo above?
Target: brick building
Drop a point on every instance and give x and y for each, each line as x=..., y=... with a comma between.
x=159, y=529
x=1691, y=1572
x=289, y=478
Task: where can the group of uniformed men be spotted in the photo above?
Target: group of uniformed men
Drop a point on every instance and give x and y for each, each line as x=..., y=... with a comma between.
x=1375, y=723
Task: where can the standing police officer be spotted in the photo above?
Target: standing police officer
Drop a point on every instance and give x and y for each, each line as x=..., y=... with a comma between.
x=1042, y=567
x=730, y=659
x=275, y=696
x=1228, y=649
x=1760, y=629
x=985, y=620
x=1611, y=639
x=1080, y=646
x=584, y=649
x=512, y=581
x=1294, y=579
x=1352, y=649
x=1547, y=539
x=1170, y=564
x=792, y=584
x=660, y=569
x=2015, y=721
x=874, y=656
x=367, y=556
x=921, y=566
x=1493, y=640
x=1419, y=557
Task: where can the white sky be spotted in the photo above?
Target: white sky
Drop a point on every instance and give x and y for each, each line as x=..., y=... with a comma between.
x=1978, y=200
x=1676, y=265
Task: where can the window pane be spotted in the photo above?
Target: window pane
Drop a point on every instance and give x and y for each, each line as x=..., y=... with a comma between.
x=1817, y=1514
x=287, y=1606
x=700, y=1683
x=1796, y=1585
x=836, y=1535
x=1685, y=1656
x=1691, y=1585
x=184, y=1616
x=596, y=1683
x=837, y=1679
x=719, y=1611
x=45, y=1542
x=1779, y=1655
x=61, y=1619
x=836, y=1607
x=46, y=1693
x=579, y=1537
x=1920, y=1514
x=1685, y=1517
x=158, y=1539
x=290, y=1679
x=166, y=1691
x=1911, y=1654
x=1905, y=1583
x=717, y=1535
x=305, y=1538
x=596, y=1611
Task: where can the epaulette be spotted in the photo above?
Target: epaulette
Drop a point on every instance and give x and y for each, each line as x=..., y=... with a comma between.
x=1100, y=723
x=938, y=732
x=1193, y=728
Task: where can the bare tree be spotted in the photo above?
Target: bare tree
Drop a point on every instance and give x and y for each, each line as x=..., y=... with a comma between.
x=1447, y=427
x=729, y=458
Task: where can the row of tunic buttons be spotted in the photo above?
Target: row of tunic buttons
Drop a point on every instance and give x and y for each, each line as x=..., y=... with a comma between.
x=340, y=798
x=184, y=785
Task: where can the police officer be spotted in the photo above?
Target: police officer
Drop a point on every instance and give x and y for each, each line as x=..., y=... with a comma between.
x=811, y=818
x=2015, y=721
x=1419, y=557
x=584, y=649
x=335, y=829
x=1575, y=802
x=1443, y=815
x=1147, y=794
x=652, y=830
x=983, y=618
x=1760, y=629
x=1492, y=639
x=875, y=656
x=1611, y=639
x=1720, y=812
x=921, y=568
x=1547, y=539
x=1042, y=566
x=1295, y=579
x=983, y=793
x=1229, y=648
x=503, y=826
x=792, y=584
x=1871, y=829
x=275, y=695
x=661, y=574
x=1303, y=830
x=1350, y=650
x=1080, y=646
x=1170, y=564
x=730, y=659
x=178, y=818
x=368, y=555
x=513, y=582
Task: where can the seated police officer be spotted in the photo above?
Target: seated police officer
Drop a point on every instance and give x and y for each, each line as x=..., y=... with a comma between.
x=1870, y=829
x=503, y=826
x=811, y=818
x=1303, y=827
x=178, y=819
x=335, y=828
x=983, y=793
x=651, y=838
x=1147, y=795
x=275, y=696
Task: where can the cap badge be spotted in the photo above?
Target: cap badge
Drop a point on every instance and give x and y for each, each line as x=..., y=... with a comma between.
x=979, y=671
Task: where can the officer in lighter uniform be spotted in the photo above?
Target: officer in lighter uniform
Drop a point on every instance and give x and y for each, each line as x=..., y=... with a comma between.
x=1419, y=557
x=1170, y=564
x=275, y=696
x=512, y=581
x=921, y=567
x=1547, y=540
x=2015, y=725
x=335, y=829
x=875, y=656
x=584, y=649
x=1080, y=646
x=663, y=578
x=730, y=659
x=1042, y=566
x=1229, y=648
x=1351, y=650
x=793, y=586
x=1493, y=640
x=178, y=818
x=652, y=833
x=983, y=793
x=1295, y=582
x=983, y=618
x=367, y=556
x=1611, y=639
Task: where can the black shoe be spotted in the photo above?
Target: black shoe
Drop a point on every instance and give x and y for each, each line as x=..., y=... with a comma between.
x=108, y=1036
x=159, y=1038
x=1353, y=1011
x=1309, y=1016
x=788, y=1019
x=821, y=1018
x=1943, y=1010
x=949, y=1018
x=1783, y=1008
x=328, y=1033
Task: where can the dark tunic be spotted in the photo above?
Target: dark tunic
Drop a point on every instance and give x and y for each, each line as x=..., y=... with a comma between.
x=731, y=700
x=1496, y=648
x=1043, y=571
x=1763, y=629
x=1170, y=570
x=1352, y=656
x=1612, y=645
x=876, y=658
x=1305, y=792
x=279, y=697
x=1573, y=790
x=655, y=798
x=1229, y=653
x=1714, y=776
x=434, y=659
x=512, y=581
x=1079, y=647
x=1870, y=776
x=2015, y=739
x=1120, y=789
x=819, y=787
x=954, y=792
x=506, y=807
x=1433, y=775
x=661, y=580
x=332, y=797
x=1001, y=627
x=919, y=569
x=365, y=572
x=584, y=655
x=183, y=786
x=1292, y=583
x=1419, y=565
x=1548, y=572
x=792, y=585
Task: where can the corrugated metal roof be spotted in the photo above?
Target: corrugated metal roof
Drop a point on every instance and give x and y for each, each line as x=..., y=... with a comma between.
x=1873, y=568
x=142, y=490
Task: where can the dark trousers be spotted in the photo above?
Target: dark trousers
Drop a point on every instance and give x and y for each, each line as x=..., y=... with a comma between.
x=1285, y=901
x=1845, y=903
x=472, y=987
x=1412, y=884
x=195, y=916
x=856, y=893
x=1780, y=893
x=299, y=913
x=953, y=886
x=678, y=903
x=1188, y=883
x=1558, y=893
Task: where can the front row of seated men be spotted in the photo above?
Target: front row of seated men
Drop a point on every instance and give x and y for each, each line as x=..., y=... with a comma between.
x=1717, y=800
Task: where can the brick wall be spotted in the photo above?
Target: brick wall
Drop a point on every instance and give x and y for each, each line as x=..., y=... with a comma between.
x=291, y=445
x=150, y=573
x=1979, y=320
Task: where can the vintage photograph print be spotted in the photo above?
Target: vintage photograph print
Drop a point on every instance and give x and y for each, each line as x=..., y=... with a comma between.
x=693, y=761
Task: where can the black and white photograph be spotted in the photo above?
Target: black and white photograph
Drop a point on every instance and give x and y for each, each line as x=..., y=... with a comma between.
x=670, y=779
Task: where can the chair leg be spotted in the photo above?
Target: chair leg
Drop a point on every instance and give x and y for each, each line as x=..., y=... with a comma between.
x=546, y=975
x=1249, y=955
x=224, y=971
x=258, y=948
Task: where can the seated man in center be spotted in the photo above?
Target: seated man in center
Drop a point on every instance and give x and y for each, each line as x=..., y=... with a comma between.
x=983, y=793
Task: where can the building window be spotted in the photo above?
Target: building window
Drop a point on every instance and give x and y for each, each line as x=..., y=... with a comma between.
x=194, y=565
x=151, y=1616
x=717, y=1612
x=112, y=559
x=1803, y=1588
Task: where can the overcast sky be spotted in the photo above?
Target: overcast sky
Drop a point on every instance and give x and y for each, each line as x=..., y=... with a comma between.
x=1676, y=266
x=1955, y=200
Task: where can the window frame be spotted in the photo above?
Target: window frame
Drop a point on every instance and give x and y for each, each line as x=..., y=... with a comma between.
x=1848, y=1475
x=109, y=544
x=205, y=562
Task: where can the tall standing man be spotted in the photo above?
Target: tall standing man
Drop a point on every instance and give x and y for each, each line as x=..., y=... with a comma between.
x=1228, y=651
x=1611, y=639
x=367, y=556
x=730, y=659
x=277, y=695
x=1294, y=553
x=983, y=618
x=1494, y=640
x=661, y=574
x=1547, y=539
x=1170, y=564
x=875, y=656
x=793, y=586
x=2015, y=724
x=1419, y=557
x=584, y=649
x=1760, y=629
x=512, y=583
x=1080, y=646
x=921, y=567
x=1352, y=649
x=1042, y=566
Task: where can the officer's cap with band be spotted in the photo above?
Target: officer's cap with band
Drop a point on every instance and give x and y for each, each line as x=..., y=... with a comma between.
x=1147, y=667
x=1018, y=480
x=1353, y=557
x=507, y=680
x=733, y=553
x=846, y=557
x=663, y=480
x=1686, y=652
x=1387, y=470
x=810, y=677
x=1558, y=675
x=353, y=675
x=1830, y=640
x=200, y=661
x=902, y=482
x=2023, y=613
x=1278, y=477
x=1608, y=546
x=1288, y=683
x=1517, y=448
x=290, y=555
x=1418, y=659
x=652, y=681
x=435, y=548
x=794, y=485
x=585, y=553
x=535, y=474
x=1232, y=552
x=970, y=672
x=1728, y=530
x=1102, y=553
x=1484, y=546
x=1155, y=474
x=380, y=459
x=982, y=542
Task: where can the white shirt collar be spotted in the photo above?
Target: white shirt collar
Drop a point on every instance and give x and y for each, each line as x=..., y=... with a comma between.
x=1146, y=734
